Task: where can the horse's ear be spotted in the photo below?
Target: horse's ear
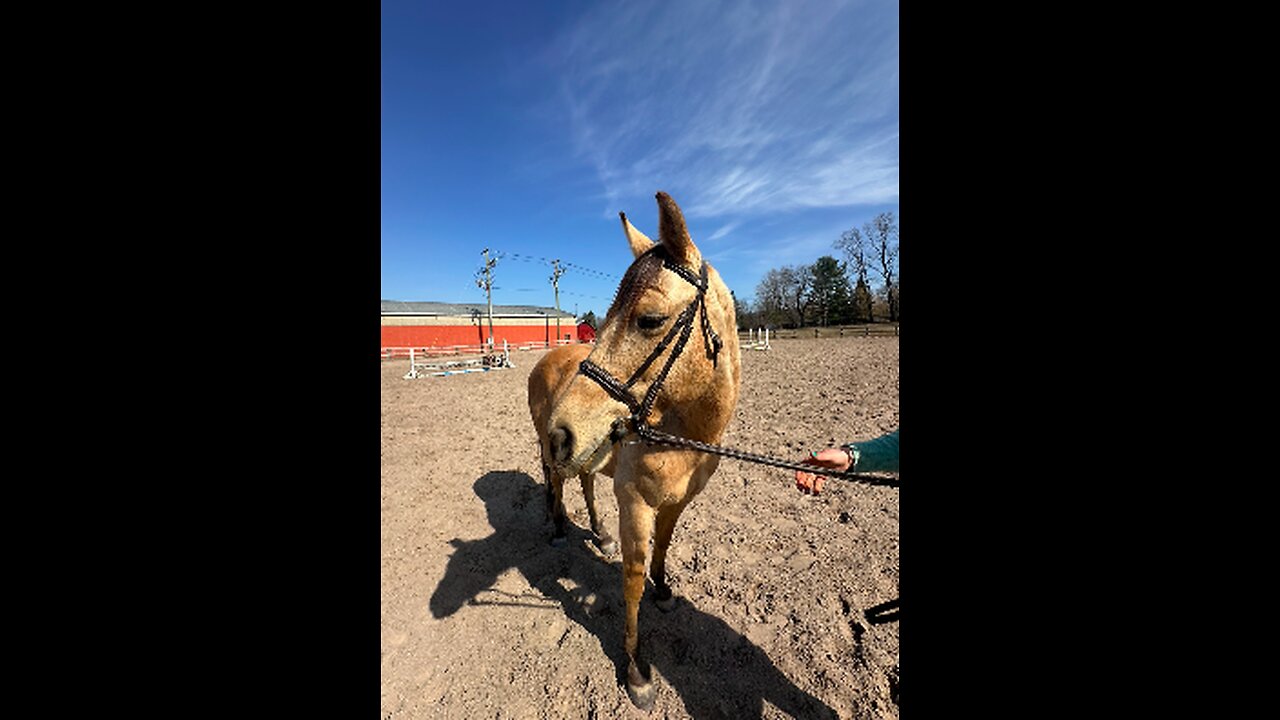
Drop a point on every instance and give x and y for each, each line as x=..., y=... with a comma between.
x=638, y=241
x=674, y=234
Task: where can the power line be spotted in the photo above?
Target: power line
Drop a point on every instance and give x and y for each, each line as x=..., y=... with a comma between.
x=584, y=295
x=566, y=265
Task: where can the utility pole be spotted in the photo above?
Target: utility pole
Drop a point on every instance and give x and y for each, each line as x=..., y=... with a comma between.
x=556, y=272
x=486, y=283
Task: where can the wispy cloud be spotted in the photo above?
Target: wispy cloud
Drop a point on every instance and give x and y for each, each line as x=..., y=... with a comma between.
x=736, y=108
x=722, y=231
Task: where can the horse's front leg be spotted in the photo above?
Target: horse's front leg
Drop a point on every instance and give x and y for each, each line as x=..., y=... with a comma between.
x=604, y=541
x=555, y=504
x=663, y=528
x=635, y=526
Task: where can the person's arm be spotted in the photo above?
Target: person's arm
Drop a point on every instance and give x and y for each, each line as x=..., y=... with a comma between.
x=878, y=455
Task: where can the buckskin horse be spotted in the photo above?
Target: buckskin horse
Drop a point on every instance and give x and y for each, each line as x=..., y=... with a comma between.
x=667, y=296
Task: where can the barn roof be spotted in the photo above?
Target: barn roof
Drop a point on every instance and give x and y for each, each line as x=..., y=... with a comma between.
x=396, y=307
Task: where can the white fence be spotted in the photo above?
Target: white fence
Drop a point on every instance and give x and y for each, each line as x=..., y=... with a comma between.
x=750, y=338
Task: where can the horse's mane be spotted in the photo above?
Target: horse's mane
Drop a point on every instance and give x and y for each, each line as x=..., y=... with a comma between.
x=643, y=273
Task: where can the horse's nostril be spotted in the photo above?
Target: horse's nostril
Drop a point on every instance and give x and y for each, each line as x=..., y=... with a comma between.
x=561, y=439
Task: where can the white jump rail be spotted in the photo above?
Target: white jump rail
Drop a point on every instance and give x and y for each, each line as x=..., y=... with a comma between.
x=485, y=360
x=423, y=351
x=757, y=339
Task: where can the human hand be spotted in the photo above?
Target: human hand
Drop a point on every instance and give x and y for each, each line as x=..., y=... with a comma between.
x=831, y=459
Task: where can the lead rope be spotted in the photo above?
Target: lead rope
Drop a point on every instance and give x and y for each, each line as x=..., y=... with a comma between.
x=657, y=437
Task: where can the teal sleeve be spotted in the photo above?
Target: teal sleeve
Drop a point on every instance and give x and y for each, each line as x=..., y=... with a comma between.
x=879, y=455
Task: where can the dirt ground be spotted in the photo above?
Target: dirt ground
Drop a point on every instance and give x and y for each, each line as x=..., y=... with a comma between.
x=483, y=618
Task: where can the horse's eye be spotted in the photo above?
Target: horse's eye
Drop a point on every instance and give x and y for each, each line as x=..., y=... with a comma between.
x=652, y=322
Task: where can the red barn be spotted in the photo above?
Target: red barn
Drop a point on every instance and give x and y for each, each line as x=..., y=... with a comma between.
x=433, y=324
x=586, y=333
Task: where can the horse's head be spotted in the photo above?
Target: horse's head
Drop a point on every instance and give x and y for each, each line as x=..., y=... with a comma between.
x=669, y=301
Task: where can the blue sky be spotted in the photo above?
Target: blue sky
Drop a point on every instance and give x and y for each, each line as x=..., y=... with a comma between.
x=525, y=127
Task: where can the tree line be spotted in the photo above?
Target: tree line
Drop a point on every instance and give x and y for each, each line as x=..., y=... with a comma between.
x=861, y=288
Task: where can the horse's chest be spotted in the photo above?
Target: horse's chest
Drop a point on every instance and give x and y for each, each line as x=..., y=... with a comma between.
x=671, y=480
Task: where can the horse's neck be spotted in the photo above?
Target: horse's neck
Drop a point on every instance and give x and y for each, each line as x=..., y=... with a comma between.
x=705, y=417
x=715, y=408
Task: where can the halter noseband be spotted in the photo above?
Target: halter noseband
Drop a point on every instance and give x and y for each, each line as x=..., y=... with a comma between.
x=621, y=391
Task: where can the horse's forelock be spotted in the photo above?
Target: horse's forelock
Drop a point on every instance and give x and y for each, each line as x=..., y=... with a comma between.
x=643, y=273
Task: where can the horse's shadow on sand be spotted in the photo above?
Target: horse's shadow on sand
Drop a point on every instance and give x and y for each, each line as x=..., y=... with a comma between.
x=714, y=669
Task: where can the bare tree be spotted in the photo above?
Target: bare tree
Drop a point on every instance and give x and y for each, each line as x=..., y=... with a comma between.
x=771, y=298
x=796, y=282
x=883, y=233
x=875, y=248
x=855, y=248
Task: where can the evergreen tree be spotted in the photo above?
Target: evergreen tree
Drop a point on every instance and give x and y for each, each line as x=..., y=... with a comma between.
x=740, y=312
x=862, y=301
x=842, y=302
x=829, y=295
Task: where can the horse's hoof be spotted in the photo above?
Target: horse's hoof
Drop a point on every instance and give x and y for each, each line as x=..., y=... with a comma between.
x=608, y=546
x=643, y=696
x=640, y=686
x=663, y=598
x=559, y=542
